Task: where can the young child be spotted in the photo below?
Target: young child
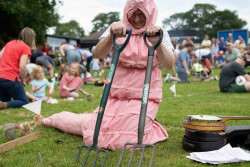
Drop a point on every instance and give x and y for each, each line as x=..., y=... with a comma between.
x=71, y=82
x=220, y=59
x=39, y=84
x=207, y=70
x=197, y=68
x=96, y=66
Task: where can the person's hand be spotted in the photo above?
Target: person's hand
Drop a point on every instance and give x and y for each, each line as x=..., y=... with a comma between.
x=24, y=83
x=188, y=72
x=151, y=32
x=49, y=96
x=118, y=29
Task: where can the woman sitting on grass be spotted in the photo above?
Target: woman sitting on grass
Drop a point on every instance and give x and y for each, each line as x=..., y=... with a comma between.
x=39, y=84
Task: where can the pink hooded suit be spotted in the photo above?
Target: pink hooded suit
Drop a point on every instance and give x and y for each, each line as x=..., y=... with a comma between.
x=121, y=116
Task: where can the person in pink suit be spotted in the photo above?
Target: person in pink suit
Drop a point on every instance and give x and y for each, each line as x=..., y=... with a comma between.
x=121, y=116
x=71, y=83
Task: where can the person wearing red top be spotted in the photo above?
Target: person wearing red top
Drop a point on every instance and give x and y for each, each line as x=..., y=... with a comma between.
x=13, y=59
x=207, y=69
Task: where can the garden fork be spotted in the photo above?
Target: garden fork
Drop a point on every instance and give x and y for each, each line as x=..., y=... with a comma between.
x=144, y=103
x=117, y=50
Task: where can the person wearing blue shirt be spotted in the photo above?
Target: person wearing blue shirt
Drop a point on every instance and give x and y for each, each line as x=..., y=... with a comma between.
x=222, y=45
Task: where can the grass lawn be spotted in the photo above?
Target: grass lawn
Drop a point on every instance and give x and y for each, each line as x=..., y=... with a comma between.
x=192, y=98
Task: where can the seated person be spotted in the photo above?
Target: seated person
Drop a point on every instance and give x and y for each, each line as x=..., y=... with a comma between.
x=197, y=68
x=220, y=59
x=231, y=54
x=207, y=69
x=229, y=73
x=71, y=83
x=39, y=84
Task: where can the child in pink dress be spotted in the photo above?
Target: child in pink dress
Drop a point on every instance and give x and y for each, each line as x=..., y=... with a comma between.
x=71, y=83
x=121, y=116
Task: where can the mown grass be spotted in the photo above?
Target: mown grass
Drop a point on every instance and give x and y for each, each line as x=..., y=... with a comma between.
x=60, y=149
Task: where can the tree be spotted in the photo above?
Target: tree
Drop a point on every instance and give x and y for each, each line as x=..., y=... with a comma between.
x=103, y=20
x=205, y=18
x=70, y=29
x=17, y=14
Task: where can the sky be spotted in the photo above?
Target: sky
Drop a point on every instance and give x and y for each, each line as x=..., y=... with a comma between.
x=84, y=11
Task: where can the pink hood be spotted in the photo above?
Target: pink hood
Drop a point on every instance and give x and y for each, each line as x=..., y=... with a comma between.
x=149, y=9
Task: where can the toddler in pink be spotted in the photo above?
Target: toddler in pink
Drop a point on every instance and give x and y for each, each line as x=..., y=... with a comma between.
x=71, y=83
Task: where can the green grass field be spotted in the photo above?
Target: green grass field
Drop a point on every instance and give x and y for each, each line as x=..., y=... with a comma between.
x=192, y=98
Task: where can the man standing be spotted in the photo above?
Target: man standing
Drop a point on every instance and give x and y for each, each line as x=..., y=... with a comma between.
x=206, y=43
x=233, y=77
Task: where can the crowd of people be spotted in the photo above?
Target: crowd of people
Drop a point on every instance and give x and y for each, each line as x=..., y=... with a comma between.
x=200, y=60
x=120, y=120
x=21, y=63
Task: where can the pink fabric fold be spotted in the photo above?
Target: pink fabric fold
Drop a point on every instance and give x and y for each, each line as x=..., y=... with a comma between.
x=121, y=116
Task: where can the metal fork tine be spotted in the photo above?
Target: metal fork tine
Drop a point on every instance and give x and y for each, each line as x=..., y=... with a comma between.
x=96, y=156
x=86, y=157
x=142, y=154
x=123, y=151
x=131, y=157
x=79, y=152
x=152, y=157
x=106, y=156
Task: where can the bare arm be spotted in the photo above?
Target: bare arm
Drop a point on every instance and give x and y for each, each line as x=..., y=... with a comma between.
x=22, y=68
x=50, y=89
x=247, y=77
x=103, y=47
x=1, y=53
x=166, y=56
x=61, y=50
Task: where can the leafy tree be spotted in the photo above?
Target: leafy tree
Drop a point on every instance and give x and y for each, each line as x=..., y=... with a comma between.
x=103, y=20
x=70, y=29
x=205, y=18
x=17, y=14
